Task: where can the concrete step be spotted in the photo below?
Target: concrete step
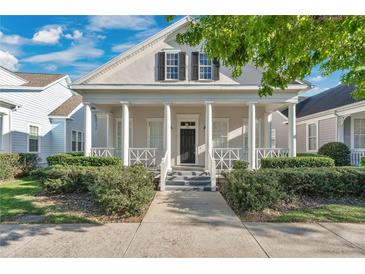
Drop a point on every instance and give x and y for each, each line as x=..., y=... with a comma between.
x=188, y=188
x=188, y=168
x=186, y=173
x=187, y=183
x=187, y=178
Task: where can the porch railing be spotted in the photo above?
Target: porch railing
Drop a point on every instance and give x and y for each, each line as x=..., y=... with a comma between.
x=262, y=153
x=224, y=157
x=145, y=156
x=212, y=171
x=105, y=152
x=163, y=172
x=356, y=156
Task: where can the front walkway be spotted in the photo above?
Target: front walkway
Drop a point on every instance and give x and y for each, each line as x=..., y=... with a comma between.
x=184, y=224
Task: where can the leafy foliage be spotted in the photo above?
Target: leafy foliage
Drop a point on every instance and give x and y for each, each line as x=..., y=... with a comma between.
x=28, y=162
x=286, y=48
x=9, y=166
x=240, y=164
x=294, y=162
x=69, y=159
x=338, y=152
x=256, y=190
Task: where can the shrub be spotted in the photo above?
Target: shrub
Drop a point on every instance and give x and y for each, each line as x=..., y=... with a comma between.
x=123, y=190
x=307, y=154
x=63, y=179
x=28, y=162
x=75, y=153
x=9, y=166
x=339, y=152
x=252, y=190
x=240, y=164
x=67, y=159
x=363, y=161
x=256, y=190
x=293, y=162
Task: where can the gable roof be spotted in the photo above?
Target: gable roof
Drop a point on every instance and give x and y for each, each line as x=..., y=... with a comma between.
x=39, y=79
x=335, y=97
x=67, y=107
x=135, y=49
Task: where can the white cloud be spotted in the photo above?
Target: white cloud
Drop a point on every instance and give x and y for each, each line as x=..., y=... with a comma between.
x=48, y=35
x=76, y=35
x=11, y=39
x=8, y=60
x=146, y=33
x=85, y=49
x=122, y=47
x=98, y=23
x=316, y=78
x=51, y=67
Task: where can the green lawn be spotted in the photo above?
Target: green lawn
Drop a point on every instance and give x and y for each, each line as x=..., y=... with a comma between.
x=325, y=213
x=19, y=198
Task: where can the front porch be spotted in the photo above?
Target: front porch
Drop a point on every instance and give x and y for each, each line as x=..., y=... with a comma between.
x=168, y=136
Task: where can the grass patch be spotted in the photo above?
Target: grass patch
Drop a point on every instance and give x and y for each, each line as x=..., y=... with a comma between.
x=325, y=213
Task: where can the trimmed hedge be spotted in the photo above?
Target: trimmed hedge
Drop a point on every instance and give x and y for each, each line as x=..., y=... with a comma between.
x=363, y=161
x=256, y=190
x=240, y=164
x=69, y=159
x=119, y=190
x=339, y=152
x=9, y=166
x=294, y=162
x=308, y=154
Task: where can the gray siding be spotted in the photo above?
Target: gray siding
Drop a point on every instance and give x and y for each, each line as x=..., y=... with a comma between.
x=75, y=123
x=301, y=138
x=58, y=134
x=326, y=131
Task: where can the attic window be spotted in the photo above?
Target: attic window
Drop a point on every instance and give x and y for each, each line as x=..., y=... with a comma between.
x=172, y=66
x=205, y=67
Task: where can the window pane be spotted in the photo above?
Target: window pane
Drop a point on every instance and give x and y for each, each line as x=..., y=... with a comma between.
x=357, y=126
x=33, y=132
x=357, y=141
x=156, y=134
x=33, y=145
x=73, y=136
x=312, y=130
x=362, y=141
x=362, y=130
x=220, y=134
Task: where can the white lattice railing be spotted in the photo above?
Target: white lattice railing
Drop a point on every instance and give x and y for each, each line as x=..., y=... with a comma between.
x=356, y=156
x=145, y=156
x=262, y=153
x=212, y=171
x=105, y=152
x=224, y=157
x=163, y=172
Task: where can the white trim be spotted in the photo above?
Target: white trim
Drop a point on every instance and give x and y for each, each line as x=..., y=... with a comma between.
x=307, y=137
x=258, y=129
x=220, y=119
x=65, y=136
x=148, y=130
x=174, y=52
x=34, y=88
x=190, y=118
x=352, y=130
x=39, y=137
x=82, y=140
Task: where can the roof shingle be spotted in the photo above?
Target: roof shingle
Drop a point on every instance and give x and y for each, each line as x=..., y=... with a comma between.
x=38, y=79
x=66, y=108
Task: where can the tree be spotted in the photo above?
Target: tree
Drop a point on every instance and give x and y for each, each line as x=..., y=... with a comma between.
x=285, y=47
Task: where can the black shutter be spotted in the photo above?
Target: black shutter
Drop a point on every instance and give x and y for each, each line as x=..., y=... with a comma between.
x=161, y=66
x=195, y=65
x=182, y=66
x=215, y=70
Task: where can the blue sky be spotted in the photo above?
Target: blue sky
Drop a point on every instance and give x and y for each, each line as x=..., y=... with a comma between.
x=75, y=45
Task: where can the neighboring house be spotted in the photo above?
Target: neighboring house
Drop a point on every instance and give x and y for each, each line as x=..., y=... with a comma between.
x=330, y=116
x=39, y=114
x=165, y=104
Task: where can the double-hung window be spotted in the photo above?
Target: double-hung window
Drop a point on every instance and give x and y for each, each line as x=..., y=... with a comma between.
x=205, y=67
x=77, y=140
x=312, y=137
x=172, y=66
x=155, y=133
x=33, y=139
x=220, y=133
x=359, y=133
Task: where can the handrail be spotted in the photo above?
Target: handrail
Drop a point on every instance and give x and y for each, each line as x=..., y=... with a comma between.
x=262, y=153
x=103, y=151
x=225, y=157
x=356, y=155
x=163, y=172
x=145, y=156
x=212, y=171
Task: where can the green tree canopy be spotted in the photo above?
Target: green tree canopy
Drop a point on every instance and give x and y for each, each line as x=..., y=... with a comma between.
x=285, y=47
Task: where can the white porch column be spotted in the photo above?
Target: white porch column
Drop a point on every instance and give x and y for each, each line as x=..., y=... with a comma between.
x=208, y=131
x=88, y=130
x=252, y=135
x=125, y=124
x=340, y=129
x=292, y=131
x=267, y=129
x=6, y=131
x=167, y=135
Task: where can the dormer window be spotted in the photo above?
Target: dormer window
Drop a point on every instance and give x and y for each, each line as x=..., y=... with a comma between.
x=205, y=67
x=172, y=66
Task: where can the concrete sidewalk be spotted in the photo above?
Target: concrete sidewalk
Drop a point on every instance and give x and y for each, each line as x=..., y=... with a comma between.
x=184, y=224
